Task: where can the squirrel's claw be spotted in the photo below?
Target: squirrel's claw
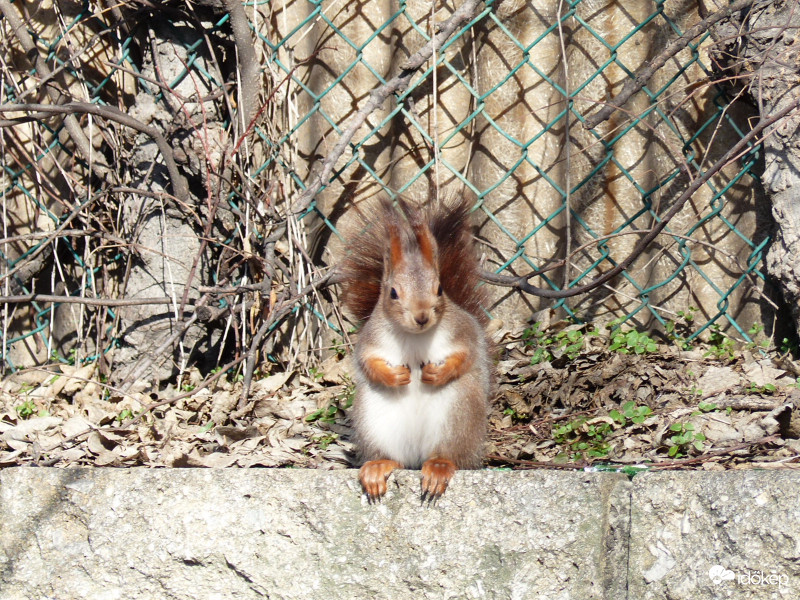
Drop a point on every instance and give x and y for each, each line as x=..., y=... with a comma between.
x=373, y=475
x=436, y=474
x=433, y=374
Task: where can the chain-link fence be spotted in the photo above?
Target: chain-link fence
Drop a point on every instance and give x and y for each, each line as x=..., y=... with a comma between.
x=499, y=110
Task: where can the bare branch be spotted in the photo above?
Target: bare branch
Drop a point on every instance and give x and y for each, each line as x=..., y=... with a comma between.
x=20, y=29
x=179, y=185
x=248, y=66
x=81, y=300
x=276, y=316
x=522, y=284
x=646, y=72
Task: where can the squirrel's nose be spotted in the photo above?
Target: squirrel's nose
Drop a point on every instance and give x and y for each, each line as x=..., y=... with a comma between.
x=421, y=319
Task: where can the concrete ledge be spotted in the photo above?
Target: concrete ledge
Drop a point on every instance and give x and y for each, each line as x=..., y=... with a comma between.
x=728, y=534
x=192, y=533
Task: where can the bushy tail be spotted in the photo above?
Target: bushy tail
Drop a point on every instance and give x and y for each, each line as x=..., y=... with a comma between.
x=361, y=272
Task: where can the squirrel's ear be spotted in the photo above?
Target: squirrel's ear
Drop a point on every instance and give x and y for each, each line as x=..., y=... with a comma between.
x=395, y=255
x=426, y=242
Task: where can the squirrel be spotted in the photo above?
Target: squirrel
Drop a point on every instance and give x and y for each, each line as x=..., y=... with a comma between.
x=422, y=365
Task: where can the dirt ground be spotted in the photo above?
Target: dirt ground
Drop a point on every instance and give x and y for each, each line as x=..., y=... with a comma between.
x=568, y=397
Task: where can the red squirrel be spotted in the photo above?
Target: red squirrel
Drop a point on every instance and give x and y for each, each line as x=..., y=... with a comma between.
x=422, y=366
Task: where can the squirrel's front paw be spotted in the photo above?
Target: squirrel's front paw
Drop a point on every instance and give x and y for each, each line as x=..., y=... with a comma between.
x=398, y=376
x=380, y=371
x=434, y=374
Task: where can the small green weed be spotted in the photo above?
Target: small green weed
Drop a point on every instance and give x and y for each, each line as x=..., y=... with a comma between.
x=789, y=347
x=707, y=407
x=515, y=416
x=324, y=415
x=534, y=336
x=315, y=373
x=124, y=415
x=583, y=438
x=627, y=342
x=767, y=388
x=684, y=438
x=339, y=348
x=722, y=347
x=630, y=412
x=681, y=328
x=341, y=402
x=546, y=347
x=323, y=441
x=753, y=332
x=26, y=410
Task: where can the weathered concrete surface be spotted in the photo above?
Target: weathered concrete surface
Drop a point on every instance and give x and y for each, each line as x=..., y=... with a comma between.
x=192, y=533
x=186, y=533
x=745, y=525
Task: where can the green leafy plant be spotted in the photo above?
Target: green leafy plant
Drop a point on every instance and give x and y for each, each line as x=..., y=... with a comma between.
x=707, y=407
x=567, y=342
x=124, y=415
x=767, y=388
x=339, y=348
x=534, y=336
x=515, y=416
x=630, y=412
x=721, y=346
x=695, y=391
x=754, y=330
x=788, y=347
x=342, y=401
x=26, y=410
x=571, y=342
x=681, y=328
x=323, y=441
x=626, y=342
x=684, y=437
x=25, y=388
x=583, y=438
x=324, y=415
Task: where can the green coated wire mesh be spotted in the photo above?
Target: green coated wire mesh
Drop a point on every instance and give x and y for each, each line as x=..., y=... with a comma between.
x=499, y=110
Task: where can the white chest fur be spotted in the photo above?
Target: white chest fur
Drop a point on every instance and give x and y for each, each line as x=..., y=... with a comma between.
x=407, y=423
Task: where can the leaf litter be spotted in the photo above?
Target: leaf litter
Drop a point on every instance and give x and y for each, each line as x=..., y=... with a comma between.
x=563, y=400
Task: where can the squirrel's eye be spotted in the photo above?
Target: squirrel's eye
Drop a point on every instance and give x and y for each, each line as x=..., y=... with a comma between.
x=439, y=291
x=393, y=294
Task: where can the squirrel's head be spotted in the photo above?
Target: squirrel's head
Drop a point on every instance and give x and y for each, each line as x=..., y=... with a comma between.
x=411, y=292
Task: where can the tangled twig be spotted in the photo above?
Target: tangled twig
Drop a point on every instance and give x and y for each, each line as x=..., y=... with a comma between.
x=521, y=283
x=179, y=185
x=646, y=72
